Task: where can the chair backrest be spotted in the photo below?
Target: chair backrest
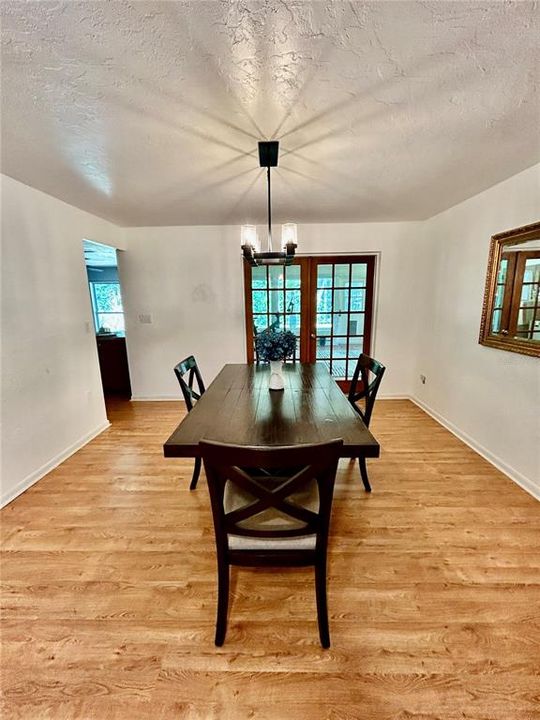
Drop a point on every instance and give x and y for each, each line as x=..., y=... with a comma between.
x=364, y=388
x=275, y=494
x=190, y=368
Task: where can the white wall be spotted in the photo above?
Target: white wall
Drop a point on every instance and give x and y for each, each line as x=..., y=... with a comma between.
x=52, y=399
x=491, y=397
x=190, y=280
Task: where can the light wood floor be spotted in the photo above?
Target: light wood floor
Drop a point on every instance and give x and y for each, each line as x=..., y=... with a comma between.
x=109, y=590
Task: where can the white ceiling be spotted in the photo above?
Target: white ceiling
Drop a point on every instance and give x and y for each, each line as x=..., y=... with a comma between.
x=149, y=113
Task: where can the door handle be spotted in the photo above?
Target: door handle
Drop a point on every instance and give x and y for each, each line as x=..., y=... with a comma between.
x=313, y=335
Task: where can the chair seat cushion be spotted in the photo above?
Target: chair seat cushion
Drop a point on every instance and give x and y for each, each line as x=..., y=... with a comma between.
x=300, y=542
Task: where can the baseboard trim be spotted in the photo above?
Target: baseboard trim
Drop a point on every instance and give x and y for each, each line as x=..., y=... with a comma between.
x=31, y=479
x=382, y=396
x=156, y=398
x=524, y=482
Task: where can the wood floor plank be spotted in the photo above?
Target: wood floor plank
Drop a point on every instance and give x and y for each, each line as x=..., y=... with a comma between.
x=108, y=590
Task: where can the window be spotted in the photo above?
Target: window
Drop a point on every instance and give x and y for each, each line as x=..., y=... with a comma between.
x=107, y=307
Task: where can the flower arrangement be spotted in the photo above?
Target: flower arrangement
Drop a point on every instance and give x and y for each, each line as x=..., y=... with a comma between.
x=274, y=345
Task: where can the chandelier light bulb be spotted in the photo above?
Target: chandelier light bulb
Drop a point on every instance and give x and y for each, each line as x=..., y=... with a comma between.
x=249, y=237
x=288, y=234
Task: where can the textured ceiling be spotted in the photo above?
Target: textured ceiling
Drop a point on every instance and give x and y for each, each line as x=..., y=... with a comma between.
x=149, y=113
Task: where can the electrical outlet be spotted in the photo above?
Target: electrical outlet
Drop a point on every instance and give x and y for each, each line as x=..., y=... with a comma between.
x=423, y=379
x=145, y=319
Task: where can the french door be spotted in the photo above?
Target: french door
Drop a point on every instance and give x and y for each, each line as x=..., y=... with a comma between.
x=326, y=301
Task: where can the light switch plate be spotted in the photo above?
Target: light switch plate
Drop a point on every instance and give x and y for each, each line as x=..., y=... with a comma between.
x=145, y=319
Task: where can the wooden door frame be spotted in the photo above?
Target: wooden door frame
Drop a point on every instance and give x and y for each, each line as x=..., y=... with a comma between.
x=369, y=260
x=303, y=262
x=308, y=284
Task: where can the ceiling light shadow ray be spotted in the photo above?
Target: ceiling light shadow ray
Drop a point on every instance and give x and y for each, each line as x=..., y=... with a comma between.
x=95, y=59
x=338, y=189
x=181, y=127
x=423, y=69
x=343, y=177
x=323, y=57
x=222, y=182
x=244, y=195
x=198, y=45
x=199, y=178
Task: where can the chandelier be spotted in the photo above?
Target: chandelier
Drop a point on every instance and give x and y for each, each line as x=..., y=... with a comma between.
x=251, y=247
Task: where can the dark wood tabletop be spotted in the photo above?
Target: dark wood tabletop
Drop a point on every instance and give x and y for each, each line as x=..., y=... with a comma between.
x=238, y=408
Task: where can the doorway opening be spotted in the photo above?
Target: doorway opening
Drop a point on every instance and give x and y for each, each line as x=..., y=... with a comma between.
x=108, y=314
x=326, y=301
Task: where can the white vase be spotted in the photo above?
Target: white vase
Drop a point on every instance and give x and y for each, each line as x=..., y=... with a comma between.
x=276, y=375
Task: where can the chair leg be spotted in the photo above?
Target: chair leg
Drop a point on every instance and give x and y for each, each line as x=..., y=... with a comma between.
x=196, y=473
x=322, y=605
x=223, y=602
x=363, y=473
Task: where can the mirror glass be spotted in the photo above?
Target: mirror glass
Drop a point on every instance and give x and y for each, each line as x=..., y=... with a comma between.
x=511, y=316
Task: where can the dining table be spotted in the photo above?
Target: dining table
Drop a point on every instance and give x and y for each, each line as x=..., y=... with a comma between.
x=239, y=409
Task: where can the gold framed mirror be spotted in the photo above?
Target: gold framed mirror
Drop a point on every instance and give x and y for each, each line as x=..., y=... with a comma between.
x=511, y=310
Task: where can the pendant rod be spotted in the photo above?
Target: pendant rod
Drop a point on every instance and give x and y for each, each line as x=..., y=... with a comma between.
x=269, y=212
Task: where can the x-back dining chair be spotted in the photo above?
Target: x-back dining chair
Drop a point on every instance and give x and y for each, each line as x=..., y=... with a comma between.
x=265, y=516
x=369, y=373
x=188, y=374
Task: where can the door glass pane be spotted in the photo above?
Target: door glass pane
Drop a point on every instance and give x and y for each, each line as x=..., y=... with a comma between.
x=532, y=270
x=324, y=324
x=359, y=275
x=323, y=348
x=260, y=301
x=258, y=277
x=324, y=300
x=276, y=276
x=528, y=293
x=341, y=300
x=341, y=275
x=292, y=298
x=503, y=267
x=339, y=347
x=292, y=276
x=525, y=318
x=356, y=323
x=275, y=301
x=324, y=275
x=339, y=368
x=260, y=322
x=292, y=323
x=355, y=347
x=499, y=294
x=496, y=321
x=358, y=299
x=339, y=323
